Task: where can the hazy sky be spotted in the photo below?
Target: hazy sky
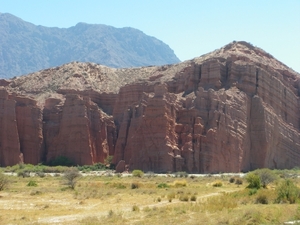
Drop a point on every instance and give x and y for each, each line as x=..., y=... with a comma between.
x=190, y=27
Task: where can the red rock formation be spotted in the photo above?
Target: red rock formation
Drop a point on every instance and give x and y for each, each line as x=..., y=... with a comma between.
x=9, y=145
x=235, y=109
x=21, y=130
x=78, y=129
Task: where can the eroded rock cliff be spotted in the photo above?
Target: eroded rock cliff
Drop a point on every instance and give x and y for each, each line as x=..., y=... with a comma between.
x=234, y=109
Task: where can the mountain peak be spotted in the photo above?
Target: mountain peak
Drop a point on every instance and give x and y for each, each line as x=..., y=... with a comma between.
x=245, y=51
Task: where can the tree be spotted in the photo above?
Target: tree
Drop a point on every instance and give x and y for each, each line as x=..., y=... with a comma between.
x=266, y=176
x=71, y=176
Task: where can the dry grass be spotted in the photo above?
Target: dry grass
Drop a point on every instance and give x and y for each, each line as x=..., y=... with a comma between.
x=111, y=200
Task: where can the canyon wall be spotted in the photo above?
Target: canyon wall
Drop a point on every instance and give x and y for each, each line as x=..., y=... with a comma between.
x=235, y=109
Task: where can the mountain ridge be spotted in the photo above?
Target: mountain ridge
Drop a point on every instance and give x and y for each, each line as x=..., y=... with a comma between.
x=28, y=48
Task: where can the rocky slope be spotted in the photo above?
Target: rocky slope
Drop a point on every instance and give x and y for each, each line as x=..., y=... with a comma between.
x=234, y=109
x=27, y=48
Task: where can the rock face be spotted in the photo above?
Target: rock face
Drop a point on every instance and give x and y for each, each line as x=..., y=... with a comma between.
x=234, y=109
x=21, y=130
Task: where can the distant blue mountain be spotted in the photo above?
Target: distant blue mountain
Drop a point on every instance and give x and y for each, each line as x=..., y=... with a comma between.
x=26, y=48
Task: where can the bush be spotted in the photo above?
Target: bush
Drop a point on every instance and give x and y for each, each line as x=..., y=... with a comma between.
x=266, y=176
x=252, y=191
x=135, y=185
x=108, y=159
x=4, y=181
x=162, y=185
x=231, y=180
x=253, y=180
x=135, y=208
x=184, y=198
x=287, y=191
x=61, y=161
x=94, y=167
x=179, y=183
x=171, y=196
x=137, y=173
x=217, y=184
x=23, y=173
x=238, y=181
x=119, y=186
x=40, y=174
x=262, y=199
x=181, y=174
x=193, y=198
x=32, y=183
x=71, y=176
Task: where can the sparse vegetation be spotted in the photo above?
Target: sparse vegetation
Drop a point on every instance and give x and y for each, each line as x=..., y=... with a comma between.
x=4, y=181
x=153, y=200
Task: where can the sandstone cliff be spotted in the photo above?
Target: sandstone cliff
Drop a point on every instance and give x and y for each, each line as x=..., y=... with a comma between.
x=231, y=110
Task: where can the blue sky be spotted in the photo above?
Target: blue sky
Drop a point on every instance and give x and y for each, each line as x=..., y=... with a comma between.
x=190, y=27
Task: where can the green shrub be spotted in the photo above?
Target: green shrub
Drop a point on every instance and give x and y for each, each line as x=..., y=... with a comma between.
x=261, y=199
x=32, y=183
x=287, y=191
x=253, y=180
x=137, y=173
x=94, y=167
x=108, y=159
x=61, y=161
x=162, y=185
x=4, y=181
x=252, y=191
